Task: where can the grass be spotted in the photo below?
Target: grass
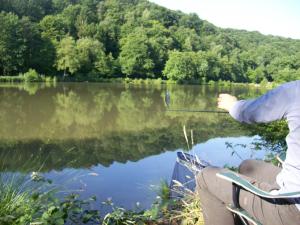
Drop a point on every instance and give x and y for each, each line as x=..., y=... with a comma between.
x=190, y=207
x=164, y=211
x=12, y=79
x=10, y=202
x=190, y=211
x=15, y=199
x=25, y=200
x=28, y=77
x=32, y=76
x=187, y=210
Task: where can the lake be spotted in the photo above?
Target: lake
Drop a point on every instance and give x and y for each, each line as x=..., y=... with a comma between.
x=114, y=140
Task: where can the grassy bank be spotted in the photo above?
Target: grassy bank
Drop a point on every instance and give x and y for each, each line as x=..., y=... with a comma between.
x=21, y=79
x=24, y=201
x=30, y=76
x=161, y=81
x=33, y=76
x=41, y=78
x=12, y=79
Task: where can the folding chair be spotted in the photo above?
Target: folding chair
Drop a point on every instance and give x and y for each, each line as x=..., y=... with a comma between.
x=240, y=183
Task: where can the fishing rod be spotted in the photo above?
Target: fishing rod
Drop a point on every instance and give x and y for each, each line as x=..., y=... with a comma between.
x=168, y=101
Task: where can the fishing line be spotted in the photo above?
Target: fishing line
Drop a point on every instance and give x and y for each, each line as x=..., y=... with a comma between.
x=168, y=101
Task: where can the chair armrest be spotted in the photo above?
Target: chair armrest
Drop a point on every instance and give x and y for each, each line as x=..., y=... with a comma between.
x=243, y=215
x=235, y=178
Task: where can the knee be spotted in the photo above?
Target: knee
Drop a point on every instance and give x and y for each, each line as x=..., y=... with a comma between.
x=247, y=166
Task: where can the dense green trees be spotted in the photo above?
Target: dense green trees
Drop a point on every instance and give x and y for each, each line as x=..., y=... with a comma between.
x=67, y=57
x=135, y=57
x=90, y=52
x=83, y=55
x=186, y=66
x=138, y=39
x=12, y=45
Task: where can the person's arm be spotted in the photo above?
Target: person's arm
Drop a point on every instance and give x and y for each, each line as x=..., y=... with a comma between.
x=271, y=106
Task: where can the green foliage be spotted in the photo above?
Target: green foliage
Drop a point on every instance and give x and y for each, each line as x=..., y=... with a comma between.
x=287, y=74
x=135, y=59
x=189, y=211
x=120, y=216
x=164, y=191
x=11, y=79
x=185, y=210
x=32, y=76
x=94, y=40
x=12, y=46
x=13, y=202
x=186, y=66
x=89, y=53
x=67, y=57
x=187, y=39
x=85, y=55
x=53, y=27
x=70, y=209
x=273, y=135
x=28, y=77
x=107, y=66
x=21, y=202
x=35, y=10
x=257, y=75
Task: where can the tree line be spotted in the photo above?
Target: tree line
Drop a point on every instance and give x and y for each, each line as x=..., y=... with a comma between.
x=136, y=39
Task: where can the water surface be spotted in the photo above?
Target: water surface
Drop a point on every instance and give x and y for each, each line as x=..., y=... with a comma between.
x=113, y=140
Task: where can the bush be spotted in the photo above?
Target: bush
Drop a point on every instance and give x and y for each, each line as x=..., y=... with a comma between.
x=211, y=82
x=32, y=76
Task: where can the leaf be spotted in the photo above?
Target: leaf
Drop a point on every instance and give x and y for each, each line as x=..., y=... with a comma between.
x=59, y=222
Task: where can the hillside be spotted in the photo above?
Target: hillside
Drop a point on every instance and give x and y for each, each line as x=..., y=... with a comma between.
x=92, y=39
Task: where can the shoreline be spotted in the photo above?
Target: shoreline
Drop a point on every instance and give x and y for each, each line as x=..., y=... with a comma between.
x=135, y=81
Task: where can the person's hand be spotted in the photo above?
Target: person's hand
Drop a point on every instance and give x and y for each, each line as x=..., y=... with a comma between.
x=226, y=101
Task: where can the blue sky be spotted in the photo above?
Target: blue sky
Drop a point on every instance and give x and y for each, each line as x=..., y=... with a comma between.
x=276, y=17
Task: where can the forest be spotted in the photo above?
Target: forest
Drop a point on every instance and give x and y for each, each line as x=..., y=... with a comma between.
x=95, y=39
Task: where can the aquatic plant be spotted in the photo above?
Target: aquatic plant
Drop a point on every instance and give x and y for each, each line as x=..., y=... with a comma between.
x=24, y=201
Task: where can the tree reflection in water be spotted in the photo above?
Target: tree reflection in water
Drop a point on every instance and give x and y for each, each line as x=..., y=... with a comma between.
x=81, y=125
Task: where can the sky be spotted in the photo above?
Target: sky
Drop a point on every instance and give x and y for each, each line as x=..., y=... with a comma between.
x=275, y=17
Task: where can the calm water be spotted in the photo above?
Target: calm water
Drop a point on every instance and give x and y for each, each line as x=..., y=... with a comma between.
x=111, y=140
